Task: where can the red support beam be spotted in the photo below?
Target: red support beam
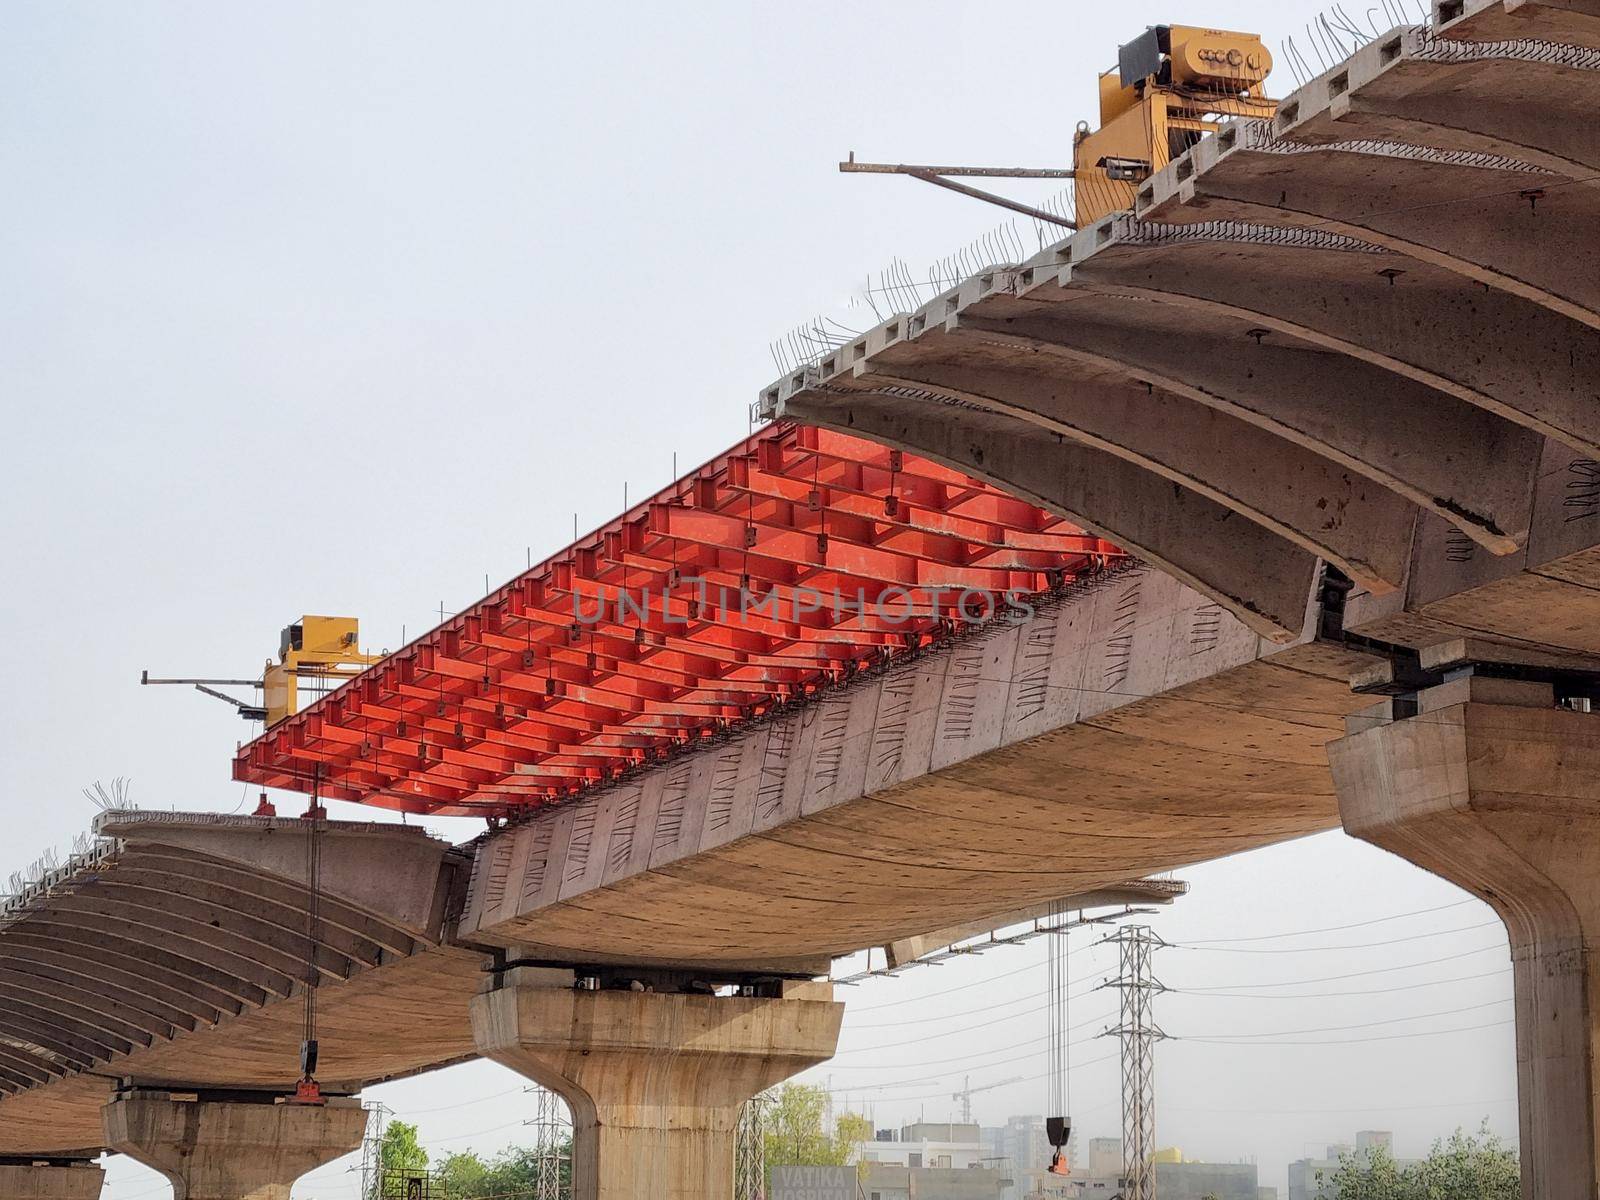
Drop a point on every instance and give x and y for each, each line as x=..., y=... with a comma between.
x=701, y=607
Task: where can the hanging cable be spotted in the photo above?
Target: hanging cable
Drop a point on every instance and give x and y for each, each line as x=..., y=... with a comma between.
x=307, y=1091
x=1058, y=1101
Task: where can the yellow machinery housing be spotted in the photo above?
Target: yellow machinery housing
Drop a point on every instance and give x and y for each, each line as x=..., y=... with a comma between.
x=325, y=649
x=1167, y=91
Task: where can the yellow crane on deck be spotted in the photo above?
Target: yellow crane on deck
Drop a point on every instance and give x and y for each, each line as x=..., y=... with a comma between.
x=1172, y=85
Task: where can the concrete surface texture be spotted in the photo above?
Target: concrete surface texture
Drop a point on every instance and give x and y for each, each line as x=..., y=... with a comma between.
x=1333, y=381
x=167, y=954
x=1495, y=788
x=655, y=1081
x=50, y=1181
x=1129, y=728
x=1369, y=328
x=1576, y=22
x=219, y=1150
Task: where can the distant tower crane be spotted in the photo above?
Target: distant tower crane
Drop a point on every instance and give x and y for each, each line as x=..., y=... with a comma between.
x=966, y=1094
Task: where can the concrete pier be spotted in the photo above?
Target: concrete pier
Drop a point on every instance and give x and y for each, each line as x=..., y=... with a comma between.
x=1495, y=787
x=46, y=1179
x=655, y=1080
x=226, y=1150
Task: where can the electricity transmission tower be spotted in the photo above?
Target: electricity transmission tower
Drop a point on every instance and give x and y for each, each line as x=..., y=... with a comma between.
x=372, y=1152
x=552, y=1146
x=750, y=1154
x=1139, y=1034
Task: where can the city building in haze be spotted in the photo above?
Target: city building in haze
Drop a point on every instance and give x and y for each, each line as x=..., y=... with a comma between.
x=1312, y=1178
x=1104, y=1158
x=1179, y=1178
x=1021, y=1146
x=886, y=1182
x=929, y=1161
x=926, y=1144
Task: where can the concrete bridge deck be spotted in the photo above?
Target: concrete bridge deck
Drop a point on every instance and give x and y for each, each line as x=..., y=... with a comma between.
x=1128, y=727
x=1364, y=332
x=176, y=953
x=1333, y=382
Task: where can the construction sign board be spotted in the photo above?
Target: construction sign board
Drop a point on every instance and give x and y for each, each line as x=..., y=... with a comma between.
x=813, y=1183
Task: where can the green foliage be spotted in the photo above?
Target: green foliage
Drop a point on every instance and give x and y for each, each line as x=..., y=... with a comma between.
x=795, y=1133
x=1371, y=1176
x=849, y=1131
x=466, y=1175
x=463, y=1173
x=1465, y=1167
x=399, y=1155
x=400, y=1150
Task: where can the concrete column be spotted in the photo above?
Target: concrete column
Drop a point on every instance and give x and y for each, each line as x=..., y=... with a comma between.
x=48, y=1179
x=1494, y=787
x=655, y=1080
x=226, y=1150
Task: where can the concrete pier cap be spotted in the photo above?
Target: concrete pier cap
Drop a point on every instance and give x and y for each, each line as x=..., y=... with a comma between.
x=49, y=1179
x=228, y=1149
x=655, y=1079
x=1494, y=785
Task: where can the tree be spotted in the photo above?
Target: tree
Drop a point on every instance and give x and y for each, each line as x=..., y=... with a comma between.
x=1465, y=1167
x=399, y=1155
x=1373, y=1175
x=795, y=1132
x=1479, y=1167
x=465, y=1175
x=851, y=1129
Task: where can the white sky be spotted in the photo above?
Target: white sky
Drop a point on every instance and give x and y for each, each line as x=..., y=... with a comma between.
x=339, y=308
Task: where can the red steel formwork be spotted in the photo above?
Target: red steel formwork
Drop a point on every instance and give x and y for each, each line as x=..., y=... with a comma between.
x=780, y=568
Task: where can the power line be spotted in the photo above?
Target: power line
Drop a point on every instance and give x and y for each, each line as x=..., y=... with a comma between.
x=963, y=1058
x=1321, y=1112
x=1196, y=1039
x=961, y=987
x=1209, y=992
x=851, y=1010
x=1203, y=993
x=422, y=1112
x=1375, y=971
x=1363, y=1025
x=1028, y=1012
x=941, y=1094
x=1219, y=1039
x=1414, y=937
x=1392, y=1037
x=1268, y=937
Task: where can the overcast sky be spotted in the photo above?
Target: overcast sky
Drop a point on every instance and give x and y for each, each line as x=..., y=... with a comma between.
x=342, y=308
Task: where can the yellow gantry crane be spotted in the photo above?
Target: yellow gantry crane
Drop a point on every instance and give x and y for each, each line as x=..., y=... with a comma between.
x=325, y=650
x=1172, y=85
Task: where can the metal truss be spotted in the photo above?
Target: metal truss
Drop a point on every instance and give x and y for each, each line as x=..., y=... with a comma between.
x=784, y=566
x=1138, y=1033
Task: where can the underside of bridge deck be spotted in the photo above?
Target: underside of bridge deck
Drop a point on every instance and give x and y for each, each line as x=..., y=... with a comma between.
x=175, y=953
x=1365, y=333
x=1323, y=406
x=1128, y=727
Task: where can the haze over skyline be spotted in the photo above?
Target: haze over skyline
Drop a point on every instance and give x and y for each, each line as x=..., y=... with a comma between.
x=342, y=309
